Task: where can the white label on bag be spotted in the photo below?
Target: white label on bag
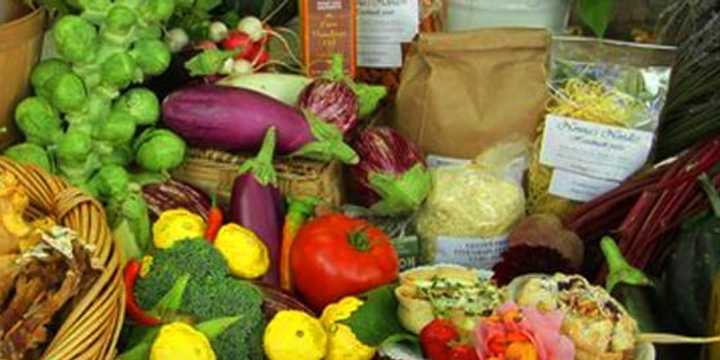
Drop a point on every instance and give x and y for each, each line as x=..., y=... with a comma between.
x=594, y=150
x=377, y=55
x=435, y=161
x=476, y=252
x=570, y=185
x=382, y=21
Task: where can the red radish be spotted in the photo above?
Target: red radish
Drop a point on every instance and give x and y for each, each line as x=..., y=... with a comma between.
x=218, y=31
x=261, y=58
x=205, y=45
x=253, y=27
x=239, y=41
x=242, y=67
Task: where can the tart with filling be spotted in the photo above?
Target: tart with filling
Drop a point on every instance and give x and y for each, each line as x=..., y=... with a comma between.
x=450, y=292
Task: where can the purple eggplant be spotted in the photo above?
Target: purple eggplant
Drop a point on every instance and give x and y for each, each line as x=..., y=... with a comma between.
x=391, y=177
x=173, y=194
x=332, y=101
x=257, y=204
x=235, y=119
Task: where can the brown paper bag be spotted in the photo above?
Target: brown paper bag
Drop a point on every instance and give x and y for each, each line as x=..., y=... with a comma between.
x=460, y=93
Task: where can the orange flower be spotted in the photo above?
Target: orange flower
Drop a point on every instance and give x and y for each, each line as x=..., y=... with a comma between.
x=521, y=351
x=515, y=333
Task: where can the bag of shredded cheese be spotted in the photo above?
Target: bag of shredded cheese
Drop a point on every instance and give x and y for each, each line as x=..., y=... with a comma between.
x=472, y=208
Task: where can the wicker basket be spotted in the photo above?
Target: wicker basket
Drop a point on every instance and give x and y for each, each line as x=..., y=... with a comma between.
x=214, y=172
x=92, y=327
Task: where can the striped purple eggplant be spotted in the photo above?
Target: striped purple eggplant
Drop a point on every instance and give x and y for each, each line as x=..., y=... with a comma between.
x=333, y=102
x=172, y=194
x=392, y=177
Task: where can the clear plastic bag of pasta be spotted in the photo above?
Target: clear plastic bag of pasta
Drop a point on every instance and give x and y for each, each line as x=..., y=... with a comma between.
x=472, y=208
x=601, y=121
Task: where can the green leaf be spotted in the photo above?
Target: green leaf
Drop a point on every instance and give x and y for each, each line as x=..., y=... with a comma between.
x=207, y=5
x=215, y=327
x=596, y=14
x=376, y=321
x=167, y=307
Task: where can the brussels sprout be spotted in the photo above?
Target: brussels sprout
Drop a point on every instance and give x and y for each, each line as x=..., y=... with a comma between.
x=32, y=154
x=119, y=128
x=111, y=182
x=38, y=121
x=119, y=155
x=44, y=71
x=94, y=10
x=67, y=92
x=152, y=56
x=119, y=26
x=96, y=108
x=119, y=70
x=120, y=19
x=132, y=4
x=156, y=11
x=74, y=148
x=149, y=32
x=142, y=104
x=75, y=38
x=159, y=150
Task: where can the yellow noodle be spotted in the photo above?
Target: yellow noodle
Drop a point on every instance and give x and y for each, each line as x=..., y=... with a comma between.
x=583, y=100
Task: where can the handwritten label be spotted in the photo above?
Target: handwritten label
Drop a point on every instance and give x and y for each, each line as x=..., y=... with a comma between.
x=476, y=252
x=388, y=21
x=377, y=55
x=570, y=185
x=594, y=150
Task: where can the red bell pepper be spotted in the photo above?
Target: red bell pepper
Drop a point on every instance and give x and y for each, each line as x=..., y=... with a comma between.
x=133, y=310
x=335, y=256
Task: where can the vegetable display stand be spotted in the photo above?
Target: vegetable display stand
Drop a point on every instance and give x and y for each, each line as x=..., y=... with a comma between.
x=214, y=172
x=20, y=48
x=92, y=325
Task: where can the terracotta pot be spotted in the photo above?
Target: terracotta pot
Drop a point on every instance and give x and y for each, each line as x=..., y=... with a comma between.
x=20, y=48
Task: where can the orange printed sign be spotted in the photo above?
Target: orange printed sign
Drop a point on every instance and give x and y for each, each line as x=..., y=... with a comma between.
x=328, y=27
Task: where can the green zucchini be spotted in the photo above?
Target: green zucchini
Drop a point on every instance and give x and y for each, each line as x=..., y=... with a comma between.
x=694, y=264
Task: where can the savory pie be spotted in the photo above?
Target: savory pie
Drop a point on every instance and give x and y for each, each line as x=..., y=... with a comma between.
x=451, y=292
x=598, y=325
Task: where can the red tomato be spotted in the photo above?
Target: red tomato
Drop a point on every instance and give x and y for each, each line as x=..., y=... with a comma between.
x=335, y=256
x=238, y=40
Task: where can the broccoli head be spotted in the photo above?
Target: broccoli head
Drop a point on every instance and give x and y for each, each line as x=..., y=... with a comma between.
x=211, y=293
x=196, y=257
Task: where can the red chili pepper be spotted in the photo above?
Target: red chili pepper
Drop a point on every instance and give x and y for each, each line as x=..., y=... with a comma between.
x=134, y=311
x=215, y=221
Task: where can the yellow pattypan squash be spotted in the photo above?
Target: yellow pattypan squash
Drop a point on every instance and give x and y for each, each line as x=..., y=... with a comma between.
x=175, y=225
x=180, y=341
x=342, y=342
x=294, y=335
x=246, y=254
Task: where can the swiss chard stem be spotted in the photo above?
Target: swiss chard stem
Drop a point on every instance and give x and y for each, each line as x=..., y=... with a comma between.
x=620, y=270
x=261, y=166
x=709, y=187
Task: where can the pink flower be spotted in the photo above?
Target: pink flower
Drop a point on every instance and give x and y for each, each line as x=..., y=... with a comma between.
x=515, y=333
